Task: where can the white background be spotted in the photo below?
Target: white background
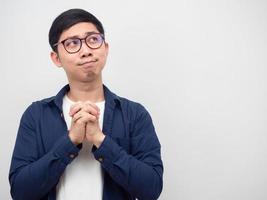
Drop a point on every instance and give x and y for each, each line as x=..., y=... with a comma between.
x=199, y=67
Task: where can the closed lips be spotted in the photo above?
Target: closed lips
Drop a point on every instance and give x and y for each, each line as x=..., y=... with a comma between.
x=91, y=61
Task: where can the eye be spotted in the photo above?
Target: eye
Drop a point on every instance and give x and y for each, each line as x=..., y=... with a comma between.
x=92, y=39
x=72, y=42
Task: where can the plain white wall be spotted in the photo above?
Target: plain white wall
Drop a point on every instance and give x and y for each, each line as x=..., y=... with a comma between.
x=198, y=66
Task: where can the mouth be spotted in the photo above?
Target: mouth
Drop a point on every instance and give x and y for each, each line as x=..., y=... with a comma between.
x=88, y=64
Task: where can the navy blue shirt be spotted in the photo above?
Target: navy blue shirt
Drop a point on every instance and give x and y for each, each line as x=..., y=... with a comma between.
x=129, y=155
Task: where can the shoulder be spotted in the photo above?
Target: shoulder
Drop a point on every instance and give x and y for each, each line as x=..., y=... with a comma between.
x=133, y=110
x=125, y=103
x=36, y=107
x=130, y=105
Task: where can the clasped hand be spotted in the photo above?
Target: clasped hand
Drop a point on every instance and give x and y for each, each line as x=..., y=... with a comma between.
x=85, y=123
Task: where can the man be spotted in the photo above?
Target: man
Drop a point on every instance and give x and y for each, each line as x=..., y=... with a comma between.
x=62, y=151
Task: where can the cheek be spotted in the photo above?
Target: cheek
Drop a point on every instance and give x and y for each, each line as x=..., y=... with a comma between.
x=67, y=60
x=103, y=57
x=103, y=61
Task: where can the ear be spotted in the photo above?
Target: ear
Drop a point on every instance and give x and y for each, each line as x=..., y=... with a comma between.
x=107, y=48
x=55, y=58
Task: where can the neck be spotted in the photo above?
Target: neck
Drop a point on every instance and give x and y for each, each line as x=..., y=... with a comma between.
x=92, y=91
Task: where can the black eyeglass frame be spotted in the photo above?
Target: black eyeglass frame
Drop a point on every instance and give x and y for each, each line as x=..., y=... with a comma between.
x=81, y=42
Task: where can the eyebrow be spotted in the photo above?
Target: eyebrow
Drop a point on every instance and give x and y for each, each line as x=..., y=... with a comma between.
x=77, y=36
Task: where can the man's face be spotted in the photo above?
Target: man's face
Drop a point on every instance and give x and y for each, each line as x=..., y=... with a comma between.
x=87, y=64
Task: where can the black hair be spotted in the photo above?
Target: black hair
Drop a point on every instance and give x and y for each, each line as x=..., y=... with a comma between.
x=69, y=18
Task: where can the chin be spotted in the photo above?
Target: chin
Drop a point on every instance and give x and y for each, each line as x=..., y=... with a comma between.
x=90, y=77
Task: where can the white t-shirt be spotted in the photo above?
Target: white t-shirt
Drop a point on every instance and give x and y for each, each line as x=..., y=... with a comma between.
x=82, y=178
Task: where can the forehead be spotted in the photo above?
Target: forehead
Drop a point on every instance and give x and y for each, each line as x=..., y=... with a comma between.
x=79, y=30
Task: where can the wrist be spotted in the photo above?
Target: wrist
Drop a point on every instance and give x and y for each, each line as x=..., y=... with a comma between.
x=74, y=140
x=98, y=139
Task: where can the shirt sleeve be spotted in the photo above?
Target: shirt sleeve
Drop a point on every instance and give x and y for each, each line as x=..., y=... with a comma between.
x=32, y=176
x=140, y=171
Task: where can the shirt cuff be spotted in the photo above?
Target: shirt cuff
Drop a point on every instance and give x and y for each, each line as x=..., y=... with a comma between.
x=65, y=150
x=107, y=152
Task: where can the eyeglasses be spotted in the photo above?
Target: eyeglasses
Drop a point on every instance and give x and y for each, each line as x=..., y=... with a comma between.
x=73, y=45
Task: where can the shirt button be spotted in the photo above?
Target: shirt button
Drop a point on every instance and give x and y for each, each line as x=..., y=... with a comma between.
x=72, y=155
x=100, y=159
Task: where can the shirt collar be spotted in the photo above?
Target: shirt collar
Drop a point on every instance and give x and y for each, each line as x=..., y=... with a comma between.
x=111, y=99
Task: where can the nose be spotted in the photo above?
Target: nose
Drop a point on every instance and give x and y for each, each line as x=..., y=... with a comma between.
x=85, y=50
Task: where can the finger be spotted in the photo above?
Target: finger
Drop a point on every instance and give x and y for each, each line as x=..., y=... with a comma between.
x=86, y=118
x=82, y=114
x=75, y=108
x=93, y=105
x=78, y=115
x=91, y=110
